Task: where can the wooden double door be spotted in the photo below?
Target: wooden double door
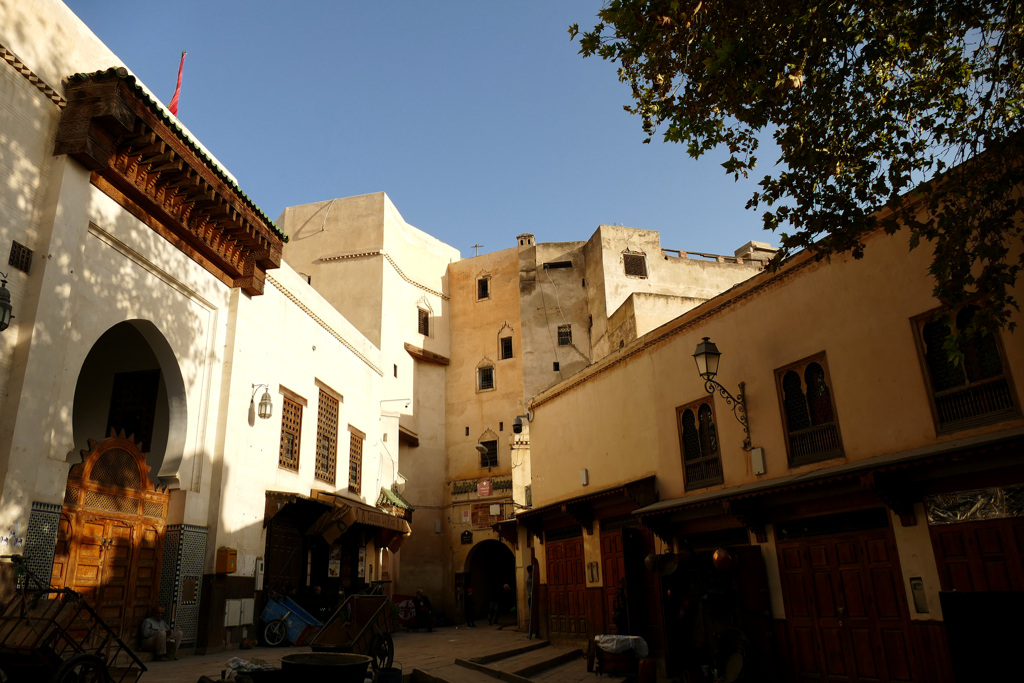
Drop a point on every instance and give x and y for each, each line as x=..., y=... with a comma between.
x=846, y=609
x=567, y=589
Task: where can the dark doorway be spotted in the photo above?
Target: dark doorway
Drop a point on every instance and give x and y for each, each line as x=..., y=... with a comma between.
x=489, y=566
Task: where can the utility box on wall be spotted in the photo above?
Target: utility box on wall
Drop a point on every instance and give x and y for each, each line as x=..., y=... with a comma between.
x=227, y=560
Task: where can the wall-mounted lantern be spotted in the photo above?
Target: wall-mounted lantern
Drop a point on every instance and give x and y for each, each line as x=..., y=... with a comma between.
x=266, y=407
x=707, y=356
x=5, y=304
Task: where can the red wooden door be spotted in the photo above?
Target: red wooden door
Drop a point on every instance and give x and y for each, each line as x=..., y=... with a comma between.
x=980, y=556
x=846, y=611
x=567, y=599
x=613, y=570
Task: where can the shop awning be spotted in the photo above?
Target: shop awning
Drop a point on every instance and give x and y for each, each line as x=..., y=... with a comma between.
x=345, y=512
x=276, y=500
x=508, y=531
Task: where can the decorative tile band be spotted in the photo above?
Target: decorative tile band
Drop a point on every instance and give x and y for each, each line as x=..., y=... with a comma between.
x=20, y=67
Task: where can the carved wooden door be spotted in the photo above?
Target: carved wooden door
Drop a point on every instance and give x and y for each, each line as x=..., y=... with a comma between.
x=567, y=599
x=846, y=610
x=613, y=561
x=102, y=574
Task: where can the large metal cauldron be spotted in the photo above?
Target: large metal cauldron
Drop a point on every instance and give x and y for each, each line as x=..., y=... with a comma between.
x=323, y=666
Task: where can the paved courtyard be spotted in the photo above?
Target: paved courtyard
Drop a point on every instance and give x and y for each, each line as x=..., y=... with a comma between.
x=434, y=653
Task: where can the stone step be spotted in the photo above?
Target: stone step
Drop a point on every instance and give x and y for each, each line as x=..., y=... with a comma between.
x=505, y=654
x=451, y=673
x=530, y=664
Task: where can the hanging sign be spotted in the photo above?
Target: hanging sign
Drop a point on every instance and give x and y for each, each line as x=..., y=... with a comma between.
x=484, y=488
x=467, y=538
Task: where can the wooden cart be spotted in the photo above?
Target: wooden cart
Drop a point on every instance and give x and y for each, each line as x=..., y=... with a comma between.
x=363, y=626
x=50, y=634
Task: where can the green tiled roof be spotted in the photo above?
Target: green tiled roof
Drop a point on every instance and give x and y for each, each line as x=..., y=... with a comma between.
x=389, y=497
x=172, y=122
x=469, y=485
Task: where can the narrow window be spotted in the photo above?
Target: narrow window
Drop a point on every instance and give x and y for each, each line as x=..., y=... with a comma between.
x=485, y=378
x=490, y=458
x=974, y=393
x=291, y=428
x=326, y=438
x=805, y=393
x=355, y=463
x=424, y=322
x=396, y=369
x=564, y=335
x=483, y=288
x=554, y=366
x=501, y=426
x=698, y=439
x=20, y=258
x=635, y=265
x=506, y=348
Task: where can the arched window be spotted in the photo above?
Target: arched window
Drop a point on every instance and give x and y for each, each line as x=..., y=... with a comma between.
x=698, y=440
x=812, y=431
x=974, y=392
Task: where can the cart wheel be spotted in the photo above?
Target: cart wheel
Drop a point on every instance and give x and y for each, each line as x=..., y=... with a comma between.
x=382, y=651
x=82, y=668
x=275, y=632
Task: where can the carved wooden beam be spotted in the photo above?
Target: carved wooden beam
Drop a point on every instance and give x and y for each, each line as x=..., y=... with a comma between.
x=895, y=492
x=155, y=172
x=750, y=514
x=582, y=514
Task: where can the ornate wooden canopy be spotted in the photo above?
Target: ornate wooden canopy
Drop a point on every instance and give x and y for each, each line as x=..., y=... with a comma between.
x=145, y=162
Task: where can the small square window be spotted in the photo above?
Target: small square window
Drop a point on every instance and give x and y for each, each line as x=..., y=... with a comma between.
x=21, y=257
x=555, y=364
x=485, y=378
x=635, y=265
x=565, y=335
x=506, y=348
x=490, y=458
x=483, y=288
x=424, y=322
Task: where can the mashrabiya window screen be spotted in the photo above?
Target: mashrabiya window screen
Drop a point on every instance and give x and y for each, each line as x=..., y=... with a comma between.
x=976, y=391
x=811, y=425
x=20, y=258
x=291, y=429
x=635, y=264
x=424, y=322
x=326, y=438
x=490, y=458
x=355, y=464
x=564, y=335
x=485, y=378
x=698, y=435
x=506, y=348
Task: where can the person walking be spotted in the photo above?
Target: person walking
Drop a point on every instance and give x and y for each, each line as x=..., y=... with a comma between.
x=470, y=608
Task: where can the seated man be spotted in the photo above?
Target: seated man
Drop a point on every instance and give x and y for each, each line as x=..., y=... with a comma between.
x=424, y=611
x=156, y=636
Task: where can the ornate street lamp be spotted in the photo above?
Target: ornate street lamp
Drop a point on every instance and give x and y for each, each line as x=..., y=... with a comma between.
x=5, y=304
x=266, y=407
x=707, y=356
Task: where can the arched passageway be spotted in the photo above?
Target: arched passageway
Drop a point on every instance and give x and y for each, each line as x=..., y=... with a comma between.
x=489, y=566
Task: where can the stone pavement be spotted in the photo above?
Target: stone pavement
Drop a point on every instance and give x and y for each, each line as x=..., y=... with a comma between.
x=434, y=653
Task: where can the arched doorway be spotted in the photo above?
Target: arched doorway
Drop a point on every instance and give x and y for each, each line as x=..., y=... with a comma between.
x=489, y=566
x=131, y=381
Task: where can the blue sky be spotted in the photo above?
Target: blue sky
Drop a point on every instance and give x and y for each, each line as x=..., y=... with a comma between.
x=480, y=120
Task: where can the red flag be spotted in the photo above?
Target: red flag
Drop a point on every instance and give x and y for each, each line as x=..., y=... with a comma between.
x=173, y=106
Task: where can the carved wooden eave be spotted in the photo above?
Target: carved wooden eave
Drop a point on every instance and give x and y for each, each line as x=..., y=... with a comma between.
x=142, y=160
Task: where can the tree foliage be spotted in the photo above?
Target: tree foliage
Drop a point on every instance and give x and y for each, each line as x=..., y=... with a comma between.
x=894, y=114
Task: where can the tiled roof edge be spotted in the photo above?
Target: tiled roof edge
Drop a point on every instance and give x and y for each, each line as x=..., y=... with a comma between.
x=185, y=137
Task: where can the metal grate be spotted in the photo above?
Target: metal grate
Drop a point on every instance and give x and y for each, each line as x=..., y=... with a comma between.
x=71, y=496
x=564, y=335
x=291, y=428
x=483, y=288
x=355, y=464
x=117, y=467
x=152, y=509
x=977, y=400
x=106, y=501
x=21, y=257
x=327, y=438
x=701, y=459
x=485, y=378
x=424, y=322
x=635, y=264
x=506, y=348
x=528, y=490
x=490, y=458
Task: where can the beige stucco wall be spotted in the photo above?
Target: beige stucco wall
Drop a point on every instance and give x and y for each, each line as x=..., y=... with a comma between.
x=857, y=311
